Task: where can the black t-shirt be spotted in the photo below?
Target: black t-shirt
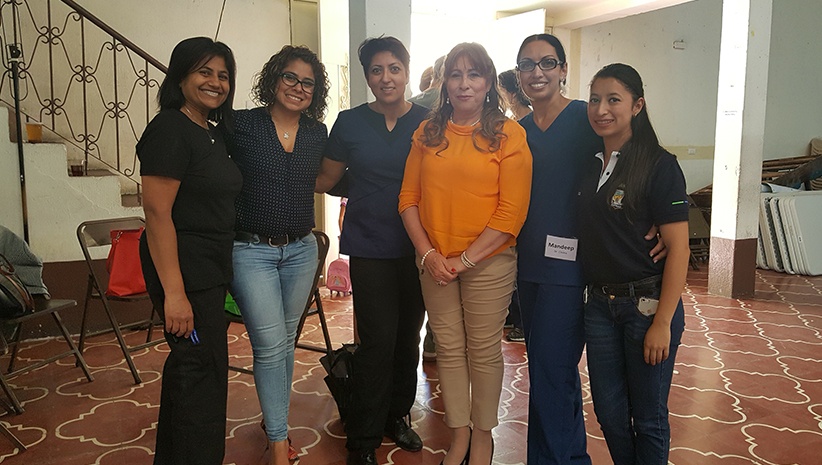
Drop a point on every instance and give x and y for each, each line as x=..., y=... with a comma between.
x=614, y=249
x=173, y=146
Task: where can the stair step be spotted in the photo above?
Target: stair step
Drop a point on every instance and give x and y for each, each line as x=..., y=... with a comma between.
x=131, y=200
x=75, y=170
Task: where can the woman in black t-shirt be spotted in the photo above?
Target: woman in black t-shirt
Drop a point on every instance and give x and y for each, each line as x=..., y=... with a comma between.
x=189, y=187
x=634, y=317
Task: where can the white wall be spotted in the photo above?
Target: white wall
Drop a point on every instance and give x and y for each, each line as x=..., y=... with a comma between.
x=373, y=18
x=794, y=107
x=57, y=203
x=680, y=85
x=254, y=29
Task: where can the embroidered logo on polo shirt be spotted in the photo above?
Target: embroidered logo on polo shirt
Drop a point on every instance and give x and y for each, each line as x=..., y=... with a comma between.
x=616, y=200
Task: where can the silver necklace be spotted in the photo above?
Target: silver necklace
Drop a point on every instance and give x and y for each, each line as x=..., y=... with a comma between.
x=210, y=137
x=287, y=134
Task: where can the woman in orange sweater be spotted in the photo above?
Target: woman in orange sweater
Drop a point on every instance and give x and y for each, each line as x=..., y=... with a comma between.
x=464, y=199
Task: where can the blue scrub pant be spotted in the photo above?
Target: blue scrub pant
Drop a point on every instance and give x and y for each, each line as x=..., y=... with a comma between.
x=553, y=321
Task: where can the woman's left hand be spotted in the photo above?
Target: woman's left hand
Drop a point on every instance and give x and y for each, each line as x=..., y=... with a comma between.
x=657, y=342
x=439, y=269
x=660, y=250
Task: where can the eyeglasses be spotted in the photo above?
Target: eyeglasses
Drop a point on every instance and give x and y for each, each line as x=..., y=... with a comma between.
x=546, y=64
x=291, y=80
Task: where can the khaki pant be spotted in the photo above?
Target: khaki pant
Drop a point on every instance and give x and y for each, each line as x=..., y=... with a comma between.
x=467, y=317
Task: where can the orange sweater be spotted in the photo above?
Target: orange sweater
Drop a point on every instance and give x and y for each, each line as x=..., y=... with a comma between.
x=461, y=191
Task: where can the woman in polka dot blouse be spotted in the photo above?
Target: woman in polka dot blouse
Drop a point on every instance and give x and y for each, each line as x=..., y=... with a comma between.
x=278, y=147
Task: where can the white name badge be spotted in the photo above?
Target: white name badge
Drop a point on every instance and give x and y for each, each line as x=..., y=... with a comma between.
x=561, y=248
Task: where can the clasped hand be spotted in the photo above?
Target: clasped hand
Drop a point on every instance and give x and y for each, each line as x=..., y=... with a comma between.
x=443, y=270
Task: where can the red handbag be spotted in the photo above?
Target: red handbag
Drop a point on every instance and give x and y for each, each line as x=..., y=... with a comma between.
x=125, y=273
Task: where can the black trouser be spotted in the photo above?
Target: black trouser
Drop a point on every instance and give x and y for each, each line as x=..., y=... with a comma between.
x=192, y=421
x=389, y=310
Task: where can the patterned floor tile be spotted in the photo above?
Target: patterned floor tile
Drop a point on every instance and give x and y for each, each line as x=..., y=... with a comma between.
x=747, y=390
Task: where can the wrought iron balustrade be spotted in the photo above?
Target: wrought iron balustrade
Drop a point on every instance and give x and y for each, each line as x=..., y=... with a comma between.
x=87, y=84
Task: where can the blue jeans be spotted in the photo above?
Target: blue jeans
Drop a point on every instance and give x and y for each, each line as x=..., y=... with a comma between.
x=630, y=396
x=271, y=286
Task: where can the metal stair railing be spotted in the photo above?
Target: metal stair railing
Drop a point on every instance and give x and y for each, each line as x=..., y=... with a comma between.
x=86, y=83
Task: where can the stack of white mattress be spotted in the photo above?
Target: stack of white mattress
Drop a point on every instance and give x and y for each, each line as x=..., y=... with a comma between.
x=790, y=232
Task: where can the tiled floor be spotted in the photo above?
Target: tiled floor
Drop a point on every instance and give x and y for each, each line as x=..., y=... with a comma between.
x=748, y=390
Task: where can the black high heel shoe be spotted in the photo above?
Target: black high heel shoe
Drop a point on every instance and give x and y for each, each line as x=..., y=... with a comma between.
x=468, y=452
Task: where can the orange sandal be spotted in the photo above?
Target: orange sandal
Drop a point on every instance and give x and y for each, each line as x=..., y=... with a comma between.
x=292, y=452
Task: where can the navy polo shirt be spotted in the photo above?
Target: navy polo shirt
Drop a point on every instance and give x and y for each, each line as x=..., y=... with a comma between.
x=613, y=248
x=560, y=154
x=375, y=157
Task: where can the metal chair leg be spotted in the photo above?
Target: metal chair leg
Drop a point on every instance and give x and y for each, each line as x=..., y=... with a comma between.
x=121, y=341
x=16, y=407
x=89, y=289
x=77, y=355
x=11, y=437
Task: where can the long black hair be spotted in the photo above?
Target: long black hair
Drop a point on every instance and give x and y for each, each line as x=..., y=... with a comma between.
x=641, y=152
x=189, y=56
x=268, y=80
x=491, y=119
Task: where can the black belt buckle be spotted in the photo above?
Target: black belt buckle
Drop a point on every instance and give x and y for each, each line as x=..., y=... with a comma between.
x=272, y=241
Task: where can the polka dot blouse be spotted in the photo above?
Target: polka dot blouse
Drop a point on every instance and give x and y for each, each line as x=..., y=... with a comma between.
x=278, y=187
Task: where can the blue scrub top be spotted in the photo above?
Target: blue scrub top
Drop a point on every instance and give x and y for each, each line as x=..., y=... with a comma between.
x=375, y=157
x=560, y=154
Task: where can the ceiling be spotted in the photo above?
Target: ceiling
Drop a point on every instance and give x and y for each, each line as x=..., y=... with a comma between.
x=570, y=14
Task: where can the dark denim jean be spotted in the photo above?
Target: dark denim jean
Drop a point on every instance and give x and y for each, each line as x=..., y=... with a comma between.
x=630, y=396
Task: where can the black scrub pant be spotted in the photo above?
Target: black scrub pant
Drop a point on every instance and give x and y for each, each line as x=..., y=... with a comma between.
x=389, y=310
x=192, y=420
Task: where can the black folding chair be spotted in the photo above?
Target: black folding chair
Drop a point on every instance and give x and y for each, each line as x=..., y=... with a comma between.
x=97, y=234
x=42, y=308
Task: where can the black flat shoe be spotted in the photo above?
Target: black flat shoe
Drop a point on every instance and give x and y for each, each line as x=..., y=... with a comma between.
x=361, y=457
x=399, y=431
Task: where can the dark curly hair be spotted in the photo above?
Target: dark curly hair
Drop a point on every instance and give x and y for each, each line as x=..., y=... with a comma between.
x=492, y=118
x=267, y=81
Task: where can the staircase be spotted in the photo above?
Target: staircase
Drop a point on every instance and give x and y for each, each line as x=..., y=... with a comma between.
x=91, y=88
x=57, y=202
x=94, y=92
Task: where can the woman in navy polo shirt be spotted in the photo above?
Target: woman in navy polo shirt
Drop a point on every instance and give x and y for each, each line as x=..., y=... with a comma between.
x=278, y=148
x=372, y=141
x=633, y=314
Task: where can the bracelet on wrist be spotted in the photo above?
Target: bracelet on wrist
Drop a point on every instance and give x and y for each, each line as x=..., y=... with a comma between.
x=465, y=261
x=424, y=256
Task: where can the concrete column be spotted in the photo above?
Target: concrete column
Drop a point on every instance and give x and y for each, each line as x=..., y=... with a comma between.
x=373, y=18
x=740, y=125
